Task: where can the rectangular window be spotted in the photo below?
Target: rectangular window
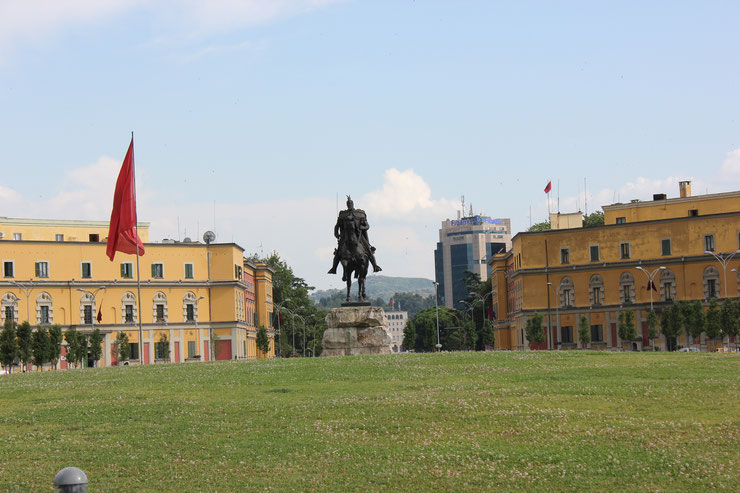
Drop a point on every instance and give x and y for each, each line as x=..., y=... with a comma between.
x=566, y=334
x=86, y=270
x=667, y=289
x=621, y=220
x=708, y=243
x=42, y=269
x=44, y=314
x=597, y=334
x=567, y=301
x=129, y=313
x=597, y=295
x=94, y=238
x=711, y=288
x=693, y=212
x=665, y=246
x=624, y=250
x=594, y=253
x=191, y=349
x=237, y=272
x=133, y=351
x=87, y=310
x=17, y=236
x=188, y=271
x=59, y=237
x=8, y=268
x=160, y=313
x=9, y=313
x=190, y=312
x=127, y=270
x=158, y=270
x=564, y=256
x=627, y=292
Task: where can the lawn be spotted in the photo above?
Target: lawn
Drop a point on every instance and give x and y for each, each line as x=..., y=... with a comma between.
x=555, y=421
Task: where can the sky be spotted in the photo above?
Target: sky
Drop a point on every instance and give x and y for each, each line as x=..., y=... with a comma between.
x=256, y=118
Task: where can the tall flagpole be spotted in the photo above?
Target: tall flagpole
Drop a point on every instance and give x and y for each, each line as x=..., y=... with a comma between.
x=138, y=275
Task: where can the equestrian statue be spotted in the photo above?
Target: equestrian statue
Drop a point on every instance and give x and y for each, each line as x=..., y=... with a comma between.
x=353, y=250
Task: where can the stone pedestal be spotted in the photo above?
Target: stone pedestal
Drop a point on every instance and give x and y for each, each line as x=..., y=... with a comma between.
x=356, y=330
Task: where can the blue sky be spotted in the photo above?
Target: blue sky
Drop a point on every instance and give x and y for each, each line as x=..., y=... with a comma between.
x=267, y=111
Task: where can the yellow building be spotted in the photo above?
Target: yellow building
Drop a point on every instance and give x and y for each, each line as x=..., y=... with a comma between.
x=600, y=271
x=195, y=295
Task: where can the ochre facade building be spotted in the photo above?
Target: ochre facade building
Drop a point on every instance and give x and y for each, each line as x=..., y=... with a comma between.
x=206, y=300
x=599, y=271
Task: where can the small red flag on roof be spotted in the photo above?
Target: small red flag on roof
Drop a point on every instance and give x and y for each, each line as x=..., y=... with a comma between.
x=548, y=187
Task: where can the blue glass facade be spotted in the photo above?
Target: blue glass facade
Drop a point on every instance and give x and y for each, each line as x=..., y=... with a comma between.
x=461, y=259
x=439, y=273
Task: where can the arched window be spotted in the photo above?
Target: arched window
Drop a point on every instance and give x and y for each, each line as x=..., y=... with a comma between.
x=159, y=308
x=626, y=288
x=87, y=308
x=667, y=285
x=190, y=307
x=711, y=282
x=567, y=292
x=44, y=313
x=596, y=290
x=129, y=311
x=9, y=308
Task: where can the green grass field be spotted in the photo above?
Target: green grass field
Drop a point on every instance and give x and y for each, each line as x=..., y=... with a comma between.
x=555, y=421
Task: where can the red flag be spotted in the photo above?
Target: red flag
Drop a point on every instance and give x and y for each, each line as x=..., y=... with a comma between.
x=122, y=235
x=651, y=285
x=548, y=187
x=100, y=315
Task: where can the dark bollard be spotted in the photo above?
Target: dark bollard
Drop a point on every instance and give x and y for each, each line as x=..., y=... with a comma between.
x=70, y=480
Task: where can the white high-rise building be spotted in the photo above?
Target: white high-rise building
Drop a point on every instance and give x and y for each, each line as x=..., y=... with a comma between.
x=396, y=323
x=466, y=244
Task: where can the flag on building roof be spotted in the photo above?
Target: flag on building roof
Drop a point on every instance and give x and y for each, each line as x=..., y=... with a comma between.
x=548, y=187
x=122, y=236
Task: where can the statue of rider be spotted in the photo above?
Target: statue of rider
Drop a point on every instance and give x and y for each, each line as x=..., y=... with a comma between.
x=357, y=219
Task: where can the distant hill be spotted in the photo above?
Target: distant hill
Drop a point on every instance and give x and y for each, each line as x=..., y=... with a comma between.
x=385, y=287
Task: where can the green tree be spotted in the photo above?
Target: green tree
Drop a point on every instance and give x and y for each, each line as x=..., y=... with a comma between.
x=584, y=331
x=96, y=346
x=713, y=326
x=409, y=336
x=627, y=330
x=55, y=344
x=263, y=342
x=697, y=319
x=486, y=335
x=163, y=347
x=23, y=336
x=425, y=325
x=71, y=336
x=536, y=227
x=671, y=324
x=729, y=318
x=594, y=219
x=40, y=347
x=123, y=347
x=652, y=323
x=534, y=330
x=8, y=345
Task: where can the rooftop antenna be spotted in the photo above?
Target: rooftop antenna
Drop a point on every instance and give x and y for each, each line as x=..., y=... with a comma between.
x=178, y=228
x=462, y=200
x=558, y=196
x=585, y=197
x=214, y=215
x=471, y=210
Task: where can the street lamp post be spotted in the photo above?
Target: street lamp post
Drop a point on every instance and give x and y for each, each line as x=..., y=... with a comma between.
x=557, y=312
x=197, y=330
x=650, y=276
x=280, y=334
x=27, y=288
x=436, y=308
x=723, y=259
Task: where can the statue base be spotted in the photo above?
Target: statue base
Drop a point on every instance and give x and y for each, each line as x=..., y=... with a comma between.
x=355, y=330
x=355, y=303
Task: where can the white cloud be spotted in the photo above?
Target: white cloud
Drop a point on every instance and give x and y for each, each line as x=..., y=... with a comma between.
x=36, y=21
x=730, y=170
x=406, y=196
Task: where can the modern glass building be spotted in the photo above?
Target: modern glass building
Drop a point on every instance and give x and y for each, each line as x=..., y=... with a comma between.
x=466, y=244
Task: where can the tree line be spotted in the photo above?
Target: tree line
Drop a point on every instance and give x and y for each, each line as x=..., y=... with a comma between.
x=22, y=345
x=688, y=317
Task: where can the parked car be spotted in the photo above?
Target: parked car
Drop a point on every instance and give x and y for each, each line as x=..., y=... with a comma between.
x=689, y=350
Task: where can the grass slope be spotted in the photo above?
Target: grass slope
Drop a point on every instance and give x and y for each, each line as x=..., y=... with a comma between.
x=557, y=421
